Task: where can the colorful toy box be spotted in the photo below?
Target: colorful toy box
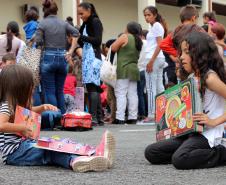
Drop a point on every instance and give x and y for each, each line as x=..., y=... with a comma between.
x=174, y=110
x=30, y=118
x=65, y=145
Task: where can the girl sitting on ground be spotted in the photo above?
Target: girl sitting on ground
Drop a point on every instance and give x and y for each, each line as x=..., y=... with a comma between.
x=199, y=55
x=21, y=152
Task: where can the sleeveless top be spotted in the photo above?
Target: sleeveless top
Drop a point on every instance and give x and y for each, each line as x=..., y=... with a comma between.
x=127, y=59
x=3, y=43
x=214, y=104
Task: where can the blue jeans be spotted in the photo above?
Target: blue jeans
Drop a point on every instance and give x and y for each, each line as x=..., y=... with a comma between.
x=141, y=95
x=37, y=96
x=28, y=155
x=53, y=75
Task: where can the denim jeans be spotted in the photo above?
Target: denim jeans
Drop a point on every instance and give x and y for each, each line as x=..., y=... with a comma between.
x=53, y=75
x=141, y=95
x=28, y=155
x=37, y=96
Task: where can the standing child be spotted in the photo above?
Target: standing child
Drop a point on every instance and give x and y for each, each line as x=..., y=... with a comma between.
x=69, y=89
x=21, y=152
x=154, y=59
x=31, y=17
x=199, y=55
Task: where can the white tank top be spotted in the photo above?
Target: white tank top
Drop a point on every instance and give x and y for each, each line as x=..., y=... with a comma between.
x=214, y=104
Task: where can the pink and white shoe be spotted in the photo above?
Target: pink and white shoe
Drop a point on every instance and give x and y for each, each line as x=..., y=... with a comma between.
x=106, y=148
x=92, y=163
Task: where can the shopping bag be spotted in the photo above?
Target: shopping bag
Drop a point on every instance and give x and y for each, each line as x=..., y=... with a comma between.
x=108, y=71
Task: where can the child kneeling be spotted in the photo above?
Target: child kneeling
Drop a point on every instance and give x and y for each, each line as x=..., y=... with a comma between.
x=199, y=55
x=16, y=87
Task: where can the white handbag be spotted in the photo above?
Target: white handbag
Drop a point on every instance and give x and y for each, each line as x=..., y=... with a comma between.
x=108, y=71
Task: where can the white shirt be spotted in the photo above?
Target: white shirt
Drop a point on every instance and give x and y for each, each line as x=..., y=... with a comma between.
x=156, y=30
x=141, y=61
x=214, y=104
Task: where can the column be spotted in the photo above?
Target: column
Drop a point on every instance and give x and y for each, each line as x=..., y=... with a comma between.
x=141, y=5
x=69, y=8
x=206, y=7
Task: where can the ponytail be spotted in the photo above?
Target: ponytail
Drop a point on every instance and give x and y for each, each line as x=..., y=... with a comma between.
x=12, y=29
x=163, y=23
x=136, y=30
x=9, y=41
x=93, y=11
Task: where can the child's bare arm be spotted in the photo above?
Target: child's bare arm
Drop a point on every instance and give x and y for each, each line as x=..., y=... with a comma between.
x=7, y=127
x=44, y=107
x=215, y=84
x=204, y=119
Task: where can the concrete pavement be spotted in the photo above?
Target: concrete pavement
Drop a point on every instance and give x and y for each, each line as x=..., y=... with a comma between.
x=130, y=166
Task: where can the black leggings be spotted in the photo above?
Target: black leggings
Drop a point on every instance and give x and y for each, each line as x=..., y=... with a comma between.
x=187, y=152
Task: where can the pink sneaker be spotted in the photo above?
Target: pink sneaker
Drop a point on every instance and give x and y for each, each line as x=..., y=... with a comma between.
x=106, y=148
x=93, y=163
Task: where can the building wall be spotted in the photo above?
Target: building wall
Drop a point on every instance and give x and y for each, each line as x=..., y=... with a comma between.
x=170, y=14
x=12, y=10
x=115, y=15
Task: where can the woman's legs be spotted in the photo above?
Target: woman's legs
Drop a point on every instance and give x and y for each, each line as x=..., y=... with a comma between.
x=53, y=74
x=141, y=95
x=132, y=100
x=95, y=108
x=121, y=90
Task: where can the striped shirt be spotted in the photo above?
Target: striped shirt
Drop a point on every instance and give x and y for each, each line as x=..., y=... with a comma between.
x=8, y=142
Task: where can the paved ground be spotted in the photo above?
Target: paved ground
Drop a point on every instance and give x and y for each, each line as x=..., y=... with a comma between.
x=130, y=166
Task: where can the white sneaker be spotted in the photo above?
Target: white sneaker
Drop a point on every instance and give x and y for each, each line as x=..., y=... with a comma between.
x=93, y=163
x=106, y=148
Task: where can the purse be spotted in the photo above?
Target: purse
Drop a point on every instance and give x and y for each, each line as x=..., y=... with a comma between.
x=108, y=71
x=30, y=58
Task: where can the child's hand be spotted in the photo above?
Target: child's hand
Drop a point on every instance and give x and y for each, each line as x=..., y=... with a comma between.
x=204, y=119
x=149, y=67
x=49, y=107
x=27, y=131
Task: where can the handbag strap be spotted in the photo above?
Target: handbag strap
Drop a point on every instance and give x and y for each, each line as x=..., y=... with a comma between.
x=115, y=59
x=108, y=57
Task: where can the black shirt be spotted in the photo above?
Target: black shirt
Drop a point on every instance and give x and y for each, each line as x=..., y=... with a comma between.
x=94, y=30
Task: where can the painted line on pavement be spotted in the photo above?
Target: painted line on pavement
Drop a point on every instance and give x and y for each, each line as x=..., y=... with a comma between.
x=140, y=130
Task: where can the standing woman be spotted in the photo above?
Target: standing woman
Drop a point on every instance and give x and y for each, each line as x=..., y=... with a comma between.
x=91, y=34
x=155, y=59
x=128, y=47
x=52, y=35
x=9, y=43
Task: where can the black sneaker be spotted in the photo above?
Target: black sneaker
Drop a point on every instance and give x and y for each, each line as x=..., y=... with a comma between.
x=131, y=121
x=118, y=122
x=101, y=123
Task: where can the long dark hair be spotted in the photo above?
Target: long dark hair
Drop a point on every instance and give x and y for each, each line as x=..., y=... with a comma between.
x=89, y=6
x=12, y=29
x=136, y=30
x=205, y=56
x=49, y=8
x=159, y=18
x=16, y=85
x=182, y=31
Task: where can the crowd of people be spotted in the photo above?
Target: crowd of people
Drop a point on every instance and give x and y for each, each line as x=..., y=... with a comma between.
x=148, y=62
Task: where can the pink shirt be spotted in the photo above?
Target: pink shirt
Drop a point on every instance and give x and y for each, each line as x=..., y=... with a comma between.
x=70, y=84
